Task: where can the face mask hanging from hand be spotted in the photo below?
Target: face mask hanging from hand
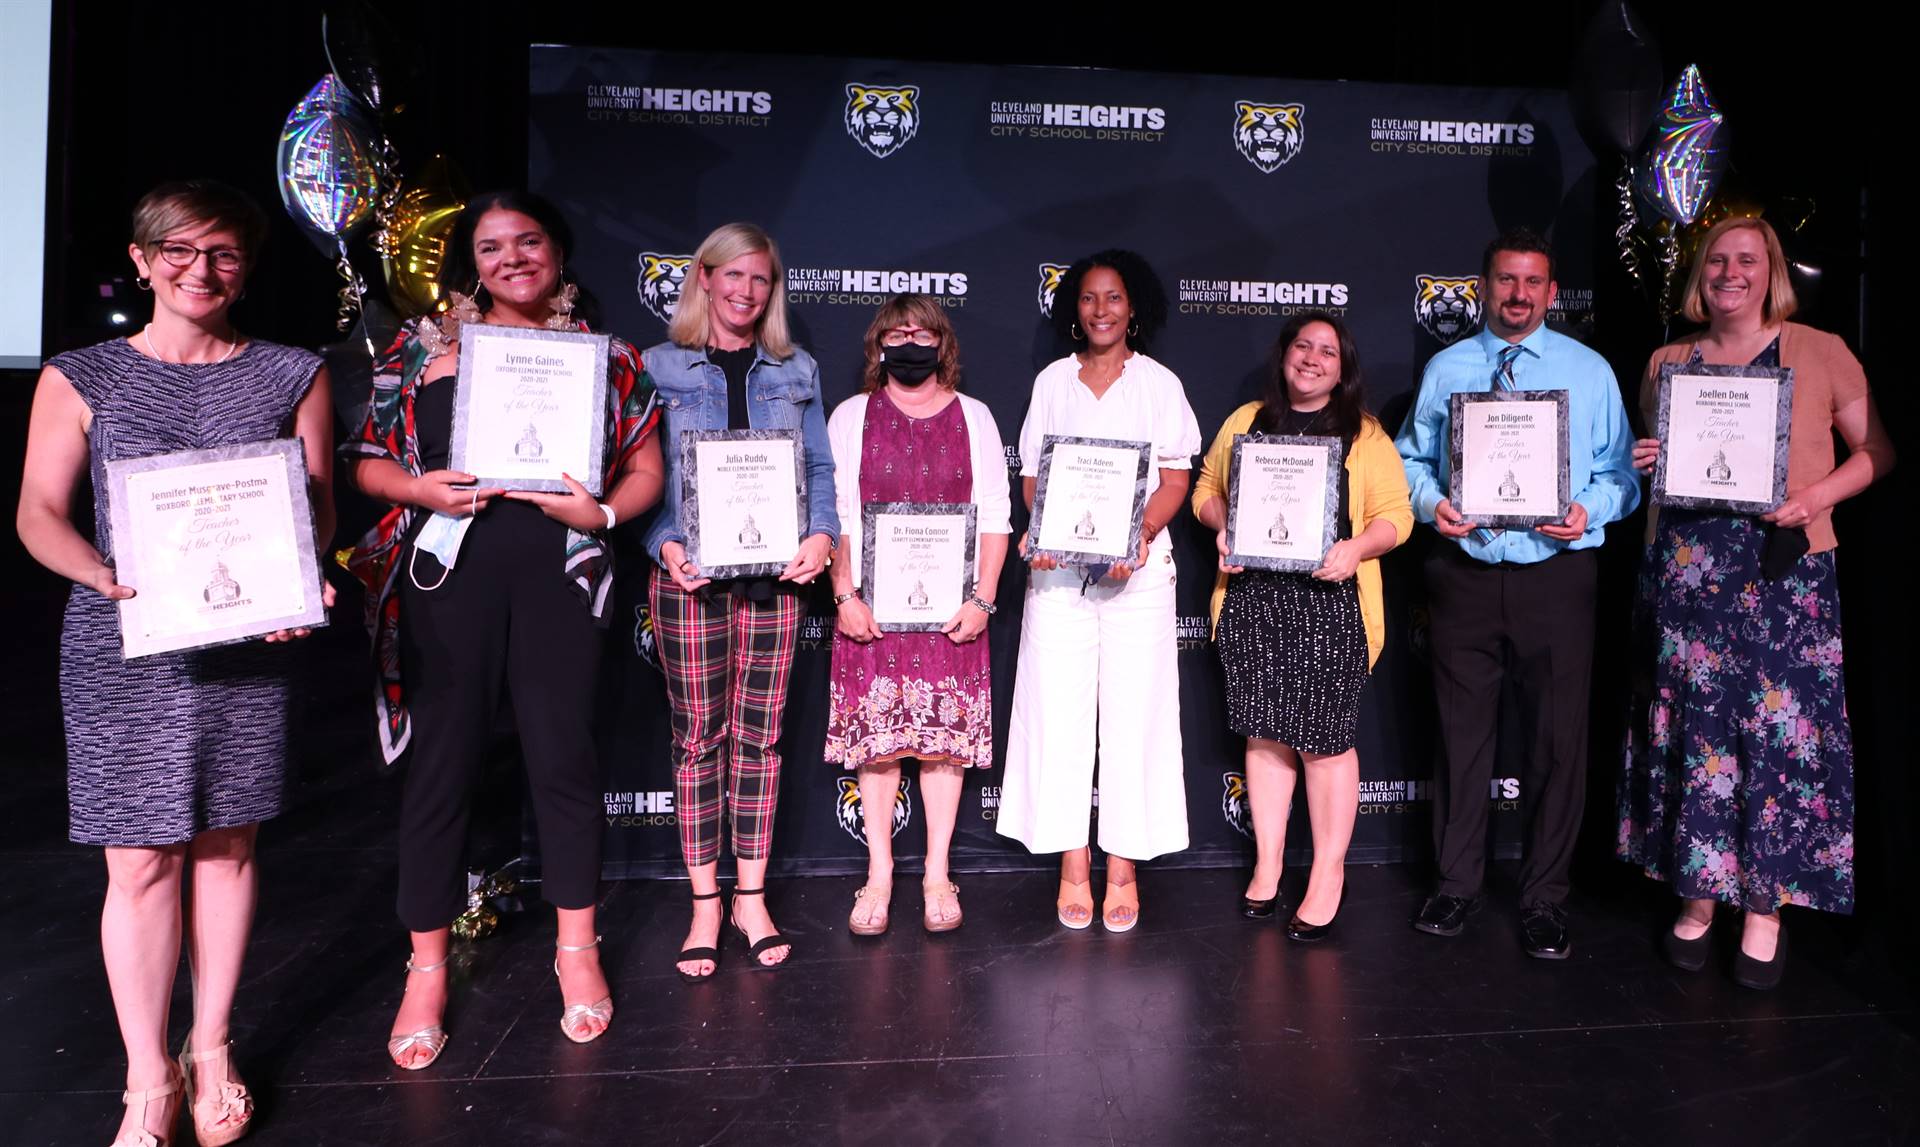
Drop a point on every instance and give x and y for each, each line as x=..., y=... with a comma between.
x=441, y=537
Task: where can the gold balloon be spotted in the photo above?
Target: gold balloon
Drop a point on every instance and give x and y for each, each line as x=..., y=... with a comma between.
x=422, y=221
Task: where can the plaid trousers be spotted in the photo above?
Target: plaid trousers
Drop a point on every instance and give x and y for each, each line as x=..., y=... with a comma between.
x=727, y=662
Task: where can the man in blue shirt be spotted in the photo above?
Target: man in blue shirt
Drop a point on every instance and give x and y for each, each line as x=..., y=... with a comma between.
x=1515, y=604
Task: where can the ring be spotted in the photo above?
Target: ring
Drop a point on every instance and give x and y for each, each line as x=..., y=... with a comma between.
x=685, y=566
x=473, y=504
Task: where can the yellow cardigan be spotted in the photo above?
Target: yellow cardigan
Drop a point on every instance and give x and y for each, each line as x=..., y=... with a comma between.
x=1377, y=491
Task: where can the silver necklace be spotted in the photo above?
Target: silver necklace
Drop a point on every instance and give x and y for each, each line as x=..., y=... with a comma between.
x=146, y=333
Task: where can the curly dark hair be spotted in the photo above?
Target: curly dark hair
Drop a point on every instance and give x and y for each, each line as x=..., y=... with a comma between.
x=1144, y=292
x=458, y=271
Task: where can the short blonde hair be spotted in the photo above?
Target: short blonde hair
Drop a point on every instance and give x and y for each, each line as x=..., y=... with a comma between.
x=172, y=207
x=727, y=243
x=1780, y=302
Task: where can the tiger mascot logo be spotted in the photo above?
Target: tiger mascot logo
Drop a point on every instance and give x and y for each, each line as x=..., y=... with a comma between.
x=1268, y=134
x=1050, y=274
x=882, y=120
x=1446, y=308
x=854, y=819
x=1233, y=803
x=662, y=278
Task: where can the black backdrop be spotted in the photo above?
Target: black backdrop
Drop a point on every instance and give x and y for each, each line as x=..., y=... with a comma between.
x=989, y=181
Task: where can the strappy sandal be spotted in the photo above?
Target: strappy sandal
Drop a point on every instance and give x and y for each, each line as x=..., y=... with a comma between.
x=690, y=954
x=140, y=1136
x=877, y=902
x=434, y=1038
x=231, y=1108
x=1121, y=896
x=932, y=893
x=1068, y=898
x=574, y=1013
x=771, y=940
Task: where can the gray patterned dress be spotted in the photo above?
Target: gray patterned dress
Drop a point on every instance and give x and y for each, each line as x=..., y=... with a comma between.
x=164, y=747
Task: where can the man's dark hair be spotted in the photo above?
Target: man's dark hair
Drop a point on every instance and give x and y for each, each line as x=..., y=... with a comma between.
x=1518, y=239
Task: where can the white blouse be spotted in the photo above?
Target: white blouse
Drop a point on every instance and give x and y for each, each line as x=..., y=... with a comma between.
x=1145, y=404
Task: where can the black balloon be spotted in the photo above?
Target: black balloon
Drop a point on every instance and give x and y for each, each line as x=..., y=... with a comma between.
x=360, y=48
x=1616, y=80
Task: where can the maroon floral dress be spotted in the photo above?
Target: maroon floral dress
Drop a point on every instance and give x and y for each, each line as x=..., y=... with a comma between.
x=911, y=694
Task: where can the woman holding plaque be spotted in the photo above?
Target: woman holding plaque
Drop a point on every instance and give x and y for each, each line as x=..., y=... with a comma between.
x=1298, y=647
x=1098, y=653
x=727, y=645
x=173, y=759
x=472, y=591
x=1738, y=785
x=910, y=436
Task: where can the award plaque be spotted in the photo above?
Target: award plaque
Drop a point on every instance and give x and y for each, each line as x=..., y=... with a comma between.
x=1509, y=458
x=1723, y=434
x=217, y=544
x=743, y=500
x=1088, y=499
x=1283, y=501
x=916, y=563
x=531, y=405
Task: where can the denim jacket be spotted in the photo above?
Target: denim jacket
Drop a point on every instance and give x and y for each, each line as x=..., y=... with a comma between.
x=780, y=396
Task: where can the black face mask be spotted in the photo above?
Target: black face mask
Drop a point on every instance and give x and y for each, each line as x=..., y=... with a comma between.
x=912, y=364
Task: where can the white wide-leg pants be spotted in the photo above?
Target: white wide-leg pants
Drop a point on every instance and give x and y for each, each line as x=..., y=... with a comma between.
x=1103, y=661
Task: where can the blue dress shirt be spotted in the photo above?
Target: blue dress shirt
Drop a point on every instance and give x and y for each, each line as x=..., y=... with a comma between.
x=1599, y=448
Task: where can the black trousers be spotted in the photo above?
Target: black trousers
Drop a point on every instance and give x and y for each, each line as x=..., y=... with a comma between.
x=504, y=617
x=1532, y=625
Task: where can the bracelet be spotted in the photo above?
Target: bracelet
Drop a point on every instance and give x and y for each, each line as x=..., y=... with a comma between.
x=608, y=511
x=982, y=604
x=840, y=599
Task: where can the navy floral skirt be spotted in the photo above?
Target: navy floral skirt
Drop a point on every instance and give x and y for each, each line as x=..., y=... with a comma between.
x=1738, y=780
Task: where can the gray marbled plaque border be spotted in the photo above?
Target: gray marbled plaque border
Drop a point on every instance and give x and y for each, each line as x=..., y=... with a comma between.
x=1079, y=557
x=1336, y=471
x=128, y=566
x=870, y=512
x=593, y=474
x=1782, y=436
x=1456, y=404
x=690, y=498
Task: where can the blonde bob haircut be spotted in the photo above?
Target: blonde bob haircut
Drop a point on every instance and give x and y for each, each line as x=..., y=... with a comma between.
x=727, y=243
x=1780, y=302
x=924, y=313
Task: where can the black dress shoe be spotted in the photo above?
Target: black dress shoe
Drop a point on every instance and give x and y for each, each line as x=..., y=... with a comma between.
x=1762, y=975
x=1543, y=932
x=1260, y=909
x=1298, y=929
x=1687, y=955
x=1444, y=915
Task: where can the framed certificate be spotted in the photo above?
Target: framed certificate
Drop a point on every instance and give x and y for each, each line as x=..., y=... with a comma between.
x=916, y=564
x=217, y=544
x=743, y=500
x=1723, y=434
x=531, y=405
x=1088, y=499
x=1283, y=501
x=1509, y=457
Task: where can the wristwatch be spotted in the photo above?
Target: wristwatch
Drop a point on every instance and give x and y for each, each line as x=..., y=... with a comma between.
x=840, y=599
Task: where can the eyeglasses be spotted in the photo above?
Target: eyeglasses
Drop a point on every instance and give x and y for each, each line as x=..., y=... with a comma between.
x=184, y=254
x=922, y=337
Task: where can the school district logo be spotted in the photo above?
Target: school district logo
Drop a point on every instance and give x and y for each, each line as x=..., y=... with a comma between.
x=852, y=818
x=221, y=588
x=1447, y=309
x=662, y=278
x=882, y=120
x=1268, y=134
x=1233, y=803
x=1050, y=276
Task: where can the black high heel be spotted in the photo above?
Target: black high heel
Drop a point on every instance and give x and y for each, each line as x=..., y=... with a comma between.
x=1260, y=909
x=1298, y=929
x=771, y=940
x=687, y=954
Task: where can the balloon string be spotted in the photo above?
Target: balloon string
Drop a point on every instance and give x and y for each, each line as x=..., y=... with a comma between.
x=1669, y=263
x=353, y=296
x=1629, y=221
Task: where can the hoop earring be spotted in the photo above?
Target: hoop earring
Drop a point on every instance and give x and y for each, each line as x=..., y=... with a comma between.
x=143, y=283
x=1133, y=329
x=1079, y=335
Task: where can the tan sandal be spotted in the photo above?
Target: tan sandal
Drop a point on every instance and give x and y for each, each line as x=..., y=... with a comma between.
x=230, y=1113
x=934, y=893
x=434, y=1038
x=140, y=1136
x=872, y=907
x=1069, y=898
x=1121, y=896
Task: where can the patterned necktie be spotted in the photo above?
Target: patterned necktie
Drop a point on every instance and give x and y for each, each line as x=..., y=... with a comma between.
x=1503, y=371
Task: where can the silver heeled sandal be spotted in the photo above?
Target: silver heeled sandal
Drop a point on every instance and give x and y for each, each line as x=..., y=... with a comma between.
x=602, y=1011
x=434, y=1038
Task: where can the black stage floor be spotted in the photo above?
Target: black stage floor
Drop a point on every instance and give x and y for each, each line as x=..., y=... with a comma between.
x=1199, y=1027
